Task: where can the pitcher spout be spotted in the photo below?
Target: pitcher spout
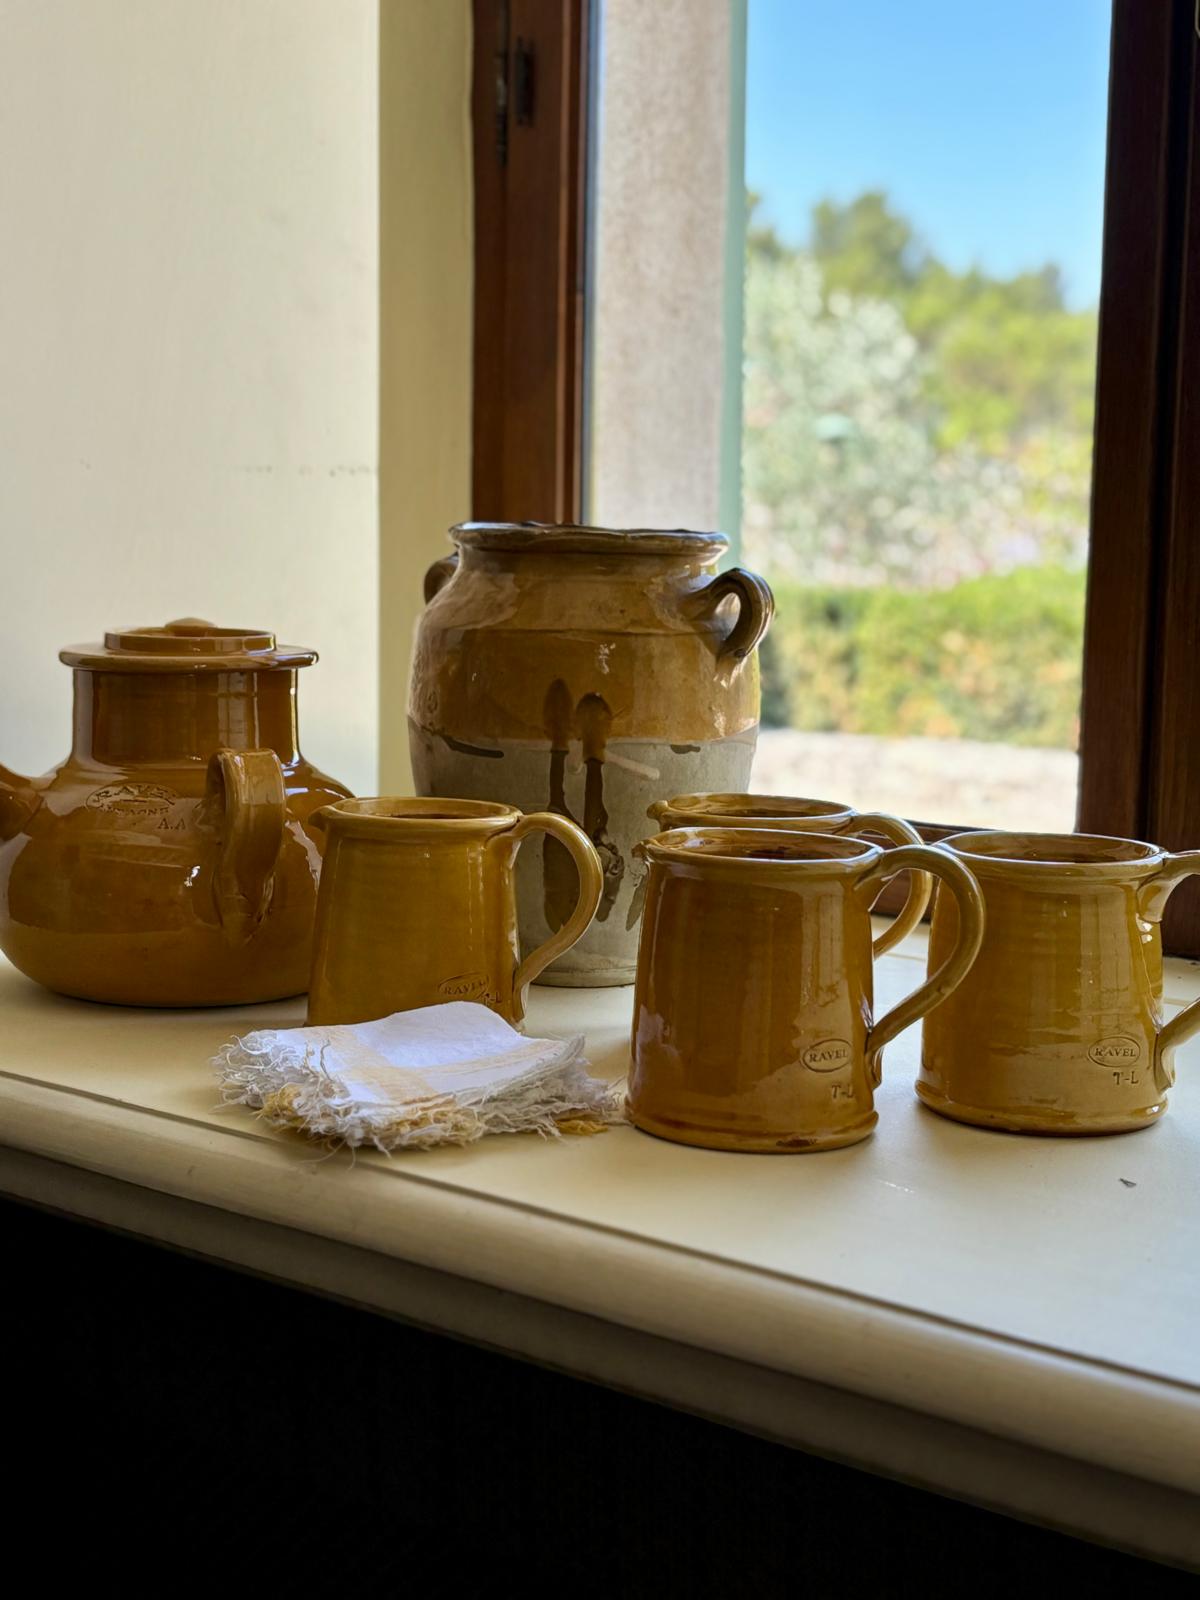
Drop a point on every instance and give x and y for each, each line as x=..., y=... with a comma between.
x=19, y=799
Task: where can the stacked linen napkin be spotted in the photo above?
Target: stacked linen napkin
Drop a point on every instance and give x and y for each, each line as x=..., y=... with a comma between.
x=442, y=1075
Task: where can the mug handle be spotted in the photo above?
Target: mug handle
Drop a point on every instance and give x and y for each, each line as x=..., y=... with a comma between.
x=591, y=885
x=897, y=833
x=438, y=576
x=1152, y=902
x=245, y=790
x=756, y=607
x=939, y=985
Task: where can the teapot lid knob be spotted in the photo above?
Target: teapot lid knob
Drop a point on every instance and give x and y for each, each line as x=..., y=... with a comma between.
x=189, y=636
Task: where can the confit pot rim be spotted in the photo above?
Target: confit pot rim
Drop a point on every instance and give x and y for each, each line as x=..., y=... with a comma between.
x=571, y=538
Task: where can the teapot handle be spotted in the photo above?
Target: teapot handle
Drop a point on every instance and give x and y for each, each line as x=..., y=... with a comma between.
x=755, y=609
x=246, y=790
x=439, y=574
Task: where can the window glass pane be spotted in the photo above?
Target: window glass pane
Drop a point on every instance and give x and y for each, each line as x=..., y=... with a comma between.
x=921, y=281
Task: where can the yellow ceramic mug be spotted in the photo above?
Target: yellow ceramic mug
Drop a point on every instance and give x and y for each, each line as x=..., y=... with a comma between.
x=415, y=906
x=802, y=816
x=1058, y=1028
x=752, y=1025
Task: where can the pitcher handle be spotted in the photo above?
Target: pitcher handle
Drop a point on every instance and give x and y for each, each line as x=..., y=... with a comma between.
x=245, y=789
x=756, y=607
x=897, y=832
x=1152, y=902
x=939, y=985
x=438, y=576
x=591, y=885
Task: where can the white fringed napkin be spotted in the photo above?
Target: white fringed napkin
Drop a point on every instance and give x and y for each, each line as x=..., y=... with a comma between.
x=441, y=1075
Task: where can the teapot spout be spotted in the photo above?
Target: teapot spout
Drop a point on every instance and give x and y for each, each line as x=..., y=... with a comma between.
x=19, y=799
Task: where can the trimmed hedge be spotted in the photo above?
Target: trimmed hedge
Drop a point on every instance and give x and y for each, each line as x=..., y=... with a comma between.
x=995, y=658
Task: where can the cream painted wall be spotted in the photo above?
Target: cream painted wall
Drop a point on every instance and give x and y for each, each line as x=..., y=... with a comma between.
x=188, y=342
x=426, y=277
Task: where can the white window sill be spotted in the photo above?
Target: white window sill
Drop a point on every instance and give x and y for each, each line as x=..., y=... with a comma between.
x=1006, y=1319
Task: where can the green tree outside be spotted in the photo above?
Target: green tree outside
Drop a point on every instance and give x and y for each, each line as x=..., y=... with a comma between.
x=917, y=463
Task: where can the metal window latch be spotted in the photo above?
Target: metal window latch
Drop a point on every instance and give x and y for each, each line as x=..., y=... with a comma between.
x=513, y=83
x=500, y=85
x=524, y=82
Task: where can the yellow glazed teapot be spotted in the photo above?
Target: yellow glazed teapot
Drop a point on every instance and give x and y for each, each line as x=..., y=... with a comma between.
x=169, y=860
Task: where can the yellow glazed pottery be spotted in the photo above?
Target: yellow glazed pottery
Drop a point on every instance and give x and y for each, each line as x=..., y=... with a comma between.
x=752, y=1026
x=416, y=906
x=585, y=671
x=170, y=859
x=802, y=816
x=1058, y=1027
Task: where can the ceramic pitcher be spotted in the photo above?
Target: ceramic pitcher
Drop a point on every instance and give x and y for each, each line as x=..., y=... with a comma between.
x=169, y=860
x=585, y=671
x=416, y=906
x=753, y=1025
x=803, y=816
x=1058, y=1027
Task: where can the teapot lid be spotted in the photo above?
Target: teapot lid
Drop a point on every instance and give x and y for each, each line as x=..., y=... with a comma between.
x=188, y=644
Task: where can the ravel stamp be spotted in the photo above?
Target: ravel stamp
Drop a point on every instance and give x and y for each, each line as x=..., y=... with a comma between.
x=1118, y=1051
x=467, y=986
x=133, y=800
x=827, y=1055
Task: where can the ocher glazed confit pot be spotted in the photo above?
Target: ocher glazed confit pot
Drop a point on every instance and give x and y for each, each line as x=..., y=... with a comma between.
x=588, y=672
x=1059, y=1026
x=752, y=1019
x=169, y=861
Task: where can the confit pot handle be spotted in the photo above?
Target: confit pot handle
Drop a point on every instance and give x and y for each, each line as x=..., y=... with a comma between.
x=756, y=607
x=591, y=886
x=1152, y=902
x=939, y=985
x=246, y=793
x=896, y=832
x=438, y=575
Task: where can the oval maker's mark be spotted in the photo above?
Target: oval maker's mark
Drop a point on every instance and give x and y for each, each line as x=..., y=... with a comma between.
x=467, y=986
x=132, y=799
x=1118, y=1051
x=827, y=1055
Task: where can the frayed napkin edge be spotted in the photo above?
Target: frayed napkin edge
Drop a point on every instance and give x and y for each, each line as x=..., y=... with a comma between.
x=288, y=1088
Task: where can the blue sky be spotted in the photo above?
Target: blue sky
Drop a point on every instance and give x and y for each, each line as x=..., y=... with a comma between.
x=983, y=119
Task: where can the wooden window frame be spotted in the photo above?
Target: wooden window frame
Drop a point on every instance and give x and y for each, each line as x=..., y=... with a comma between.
x=1140, y=714
x=530, y=122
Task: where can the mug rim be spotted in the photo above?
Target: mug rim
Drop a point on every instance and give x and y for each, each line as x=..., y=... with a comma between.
x=828, y=852
x=385, y=816
x=710, y=806
x=1112, y=857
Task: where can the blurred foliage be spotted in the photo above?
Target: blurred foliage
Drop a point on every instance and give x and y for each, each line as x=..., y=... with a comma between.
x=916, y=470
x=905, y=423
x=994, y=658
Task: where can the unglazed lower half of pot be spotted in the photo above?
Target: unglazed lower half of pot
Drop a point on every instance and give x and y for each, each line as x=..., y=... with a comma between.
x=609, y=798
